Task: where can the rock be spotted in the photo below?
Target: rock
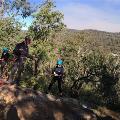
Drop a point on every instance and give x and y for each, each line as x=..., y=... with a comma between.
x=103, y=111
x=27, y=104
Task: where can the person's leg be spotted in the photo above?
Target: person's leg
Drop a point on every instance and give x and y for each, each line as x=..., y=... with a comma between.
x=60, y=85
x=51, y=84
x=20, y=70
x=13, y=71
x=2, y=67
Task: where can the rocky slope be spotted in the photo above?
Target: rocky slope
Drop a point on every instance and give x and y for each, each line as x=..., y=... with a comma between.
x=27, y=104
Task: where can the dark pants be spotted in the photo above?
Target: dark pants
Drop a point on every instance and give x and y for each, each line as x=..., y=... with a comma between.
x=19, y=68
x=59, y=80
x=2, y=66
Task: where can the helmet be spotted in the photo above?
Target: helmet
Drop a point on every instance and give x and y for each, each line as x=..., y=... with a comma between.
x=5, y=50
x=59, y=62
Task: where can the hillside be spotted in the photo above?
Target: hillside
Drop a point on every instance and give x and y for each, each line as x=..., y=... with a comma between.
x=91, y=77
x=94, y=38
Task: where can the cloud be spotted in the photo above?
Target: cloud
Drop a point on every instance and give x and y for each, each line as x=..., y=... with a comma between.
x=114, y=1
x=81, y=16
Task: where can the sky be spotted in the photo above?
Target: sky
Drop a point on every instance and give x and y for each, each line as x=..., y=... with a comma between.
x=101, y=15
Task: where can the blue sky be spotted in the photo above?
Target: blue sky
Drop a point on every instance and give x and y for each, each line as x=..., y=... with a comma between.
x=88, y=14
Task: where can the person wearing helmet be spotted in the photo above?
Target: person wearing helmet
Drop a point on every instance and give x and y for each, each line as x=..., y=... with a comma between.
x=57, y=76
x=4, y=59
x=21, y=52
x=5, y=54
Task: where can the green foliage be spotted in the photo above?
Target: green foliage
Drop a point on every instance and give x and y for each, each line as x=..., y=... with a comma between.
x=47, y=21
x=90, y=67
x=16, y=7
x=101, y=70
x=92, y=71
x=9, y=31
x=22, y=7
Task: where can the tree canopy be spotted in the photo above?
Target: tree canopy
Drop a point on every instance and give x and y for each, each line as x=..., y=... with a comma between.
x=47, y=20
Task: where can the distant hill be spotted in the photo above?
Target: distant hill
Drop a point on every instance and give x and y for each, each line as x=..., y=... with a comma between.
x=94, y=38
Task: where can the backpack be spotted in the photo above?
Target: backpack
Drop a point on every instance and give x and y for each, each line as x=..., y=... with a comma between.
x=59, y=70
x=17, y=51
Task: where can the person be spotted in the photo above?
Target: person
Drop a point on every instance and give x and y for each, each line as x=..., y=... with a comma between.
x=21, y=52
x=4, y=59
x=58, y=73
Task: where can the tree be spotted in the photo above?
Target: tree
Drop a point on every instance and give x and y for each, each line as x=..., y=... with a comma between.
x=22, y=7
x=10, y=27
x=47, y=21
x=9, y=31
x=15, y=7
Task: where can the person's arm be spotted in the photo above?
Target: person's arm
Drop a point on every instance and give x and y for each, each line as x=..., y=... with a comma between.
x=55, y=74
x=16, y=50
x=24, y=51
